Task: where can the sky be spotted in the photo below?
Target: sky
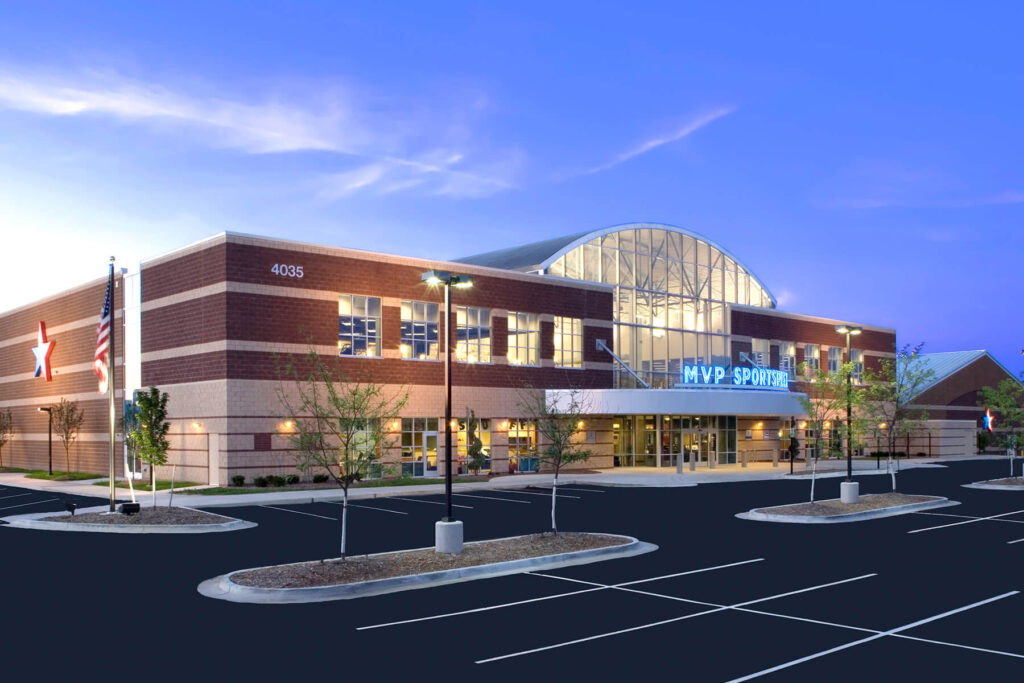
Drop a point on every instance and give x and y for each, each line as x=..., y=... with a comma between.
x=861, y=158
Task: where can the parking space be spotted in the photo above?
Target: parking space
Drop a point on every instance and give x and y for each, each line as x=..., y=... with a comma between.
x=722, y=598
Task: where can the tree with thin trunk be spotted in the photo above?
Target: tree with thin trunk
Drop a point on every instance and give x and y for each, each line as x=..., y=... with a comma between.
x=6, y=431
x=67, y=421
x=888, y=394
x=475, y=455
x=559, y=420
x=1006, y=401
x=150, y=434
x=824, y=402
x=339, y=426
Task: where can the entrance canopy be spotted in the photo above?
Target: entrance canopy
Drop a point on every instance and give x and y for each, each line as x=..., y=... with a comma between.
x=704, y=401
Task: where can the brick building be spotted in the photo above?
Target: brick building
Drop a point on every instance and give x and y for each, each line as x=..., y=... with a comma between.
x=679, y=349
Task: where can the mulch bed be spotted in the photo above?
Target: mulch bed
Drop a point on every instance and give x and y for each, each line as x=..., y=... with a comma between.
x=369, y=567
x=831, y=508
x=147, y=515
x=1015, y=481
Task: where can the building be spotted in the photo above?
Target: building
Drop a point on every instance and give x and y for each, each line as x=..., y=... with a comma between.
x=678, y=348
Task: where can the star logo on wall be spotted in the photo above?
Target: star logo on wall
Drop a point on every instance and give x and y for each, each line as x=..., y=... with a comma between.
x=988, y=421
x=42, y=352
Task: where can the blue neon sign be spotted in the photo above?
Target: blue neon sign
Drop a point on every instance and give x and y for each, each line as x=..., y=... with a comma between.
x=705, y=375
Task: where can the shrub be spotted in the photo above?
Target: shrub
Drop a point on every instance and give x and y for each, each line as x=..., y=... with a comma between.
x=261, y=482
x=275, y=480
x=292, y=479
x=238, y=480
x=320, y=478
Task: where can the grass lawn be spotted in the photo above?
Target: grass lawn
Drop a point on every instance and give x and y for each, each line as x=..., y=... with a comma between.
x=161, y=484
x=405, y=481
x=60, y=476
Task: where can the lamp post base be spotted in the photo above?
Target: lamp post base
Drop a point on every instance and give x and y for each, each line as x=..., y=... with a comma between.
x=448, y=537
x=849, y=492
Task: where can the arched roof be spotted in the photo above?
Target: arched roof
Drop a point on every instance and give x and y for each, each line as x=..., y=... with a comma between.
x=540, y=255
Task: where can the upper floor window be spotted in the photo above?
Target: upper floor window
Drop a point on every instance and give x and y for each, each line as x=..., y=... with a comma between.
x=835, y=358
x=473, y=334
x=857, y=358
x=419, y=330
x=787, y=358
x=523, y=338
x=358, y=325
x=812, y=358
x=568, y=342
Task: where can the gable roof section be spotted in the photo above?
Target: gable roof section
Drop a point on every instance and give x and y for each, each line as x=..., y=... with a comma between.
x=945, y=365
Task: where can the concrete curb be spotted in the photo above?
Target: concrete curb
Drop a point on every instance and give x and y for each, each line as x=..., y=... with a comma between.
x=35, y=521
x=758, y=516
x=992, y=487
x=223, y=588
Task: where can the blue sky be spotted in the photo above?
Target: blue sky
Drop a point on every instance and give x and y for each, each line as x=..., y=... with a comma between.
x=863, y=160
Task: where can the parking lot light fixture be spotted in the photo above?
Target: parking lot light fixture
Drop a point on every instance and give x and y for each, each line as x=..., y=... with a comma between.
x=448, y=534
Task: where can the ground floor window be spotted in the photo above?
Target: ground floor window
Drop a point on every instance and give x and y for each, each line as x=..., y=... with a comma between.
x=419, y=446
x=522, y=446
x=483, y=432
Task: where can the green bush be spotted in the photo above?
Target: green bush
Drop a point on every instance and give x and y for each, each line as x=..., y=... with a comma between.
x=320, y=478
x=261, y=482
x=292, y=479
x=238, y=480
x=275, y=480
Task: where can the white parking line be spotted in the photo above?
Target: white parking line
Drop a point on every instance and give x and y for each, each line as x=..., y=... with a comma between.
x=553, y=597
x=536, y=493
x=969, y=521
x=668, y=621
x=946, y=514
x=20, y=495
x=876, y=636
x=36, y=502
x=429, y=502
x=364, y=507
x=308, y=514
x=506, y=500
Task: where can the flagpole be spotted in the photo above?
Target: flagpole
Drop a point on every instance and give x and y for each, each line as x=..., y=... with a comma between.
x=112, y=358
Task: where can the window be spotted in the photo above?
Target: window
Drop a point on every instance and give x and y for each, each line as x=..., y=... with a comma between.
x=522, y=446
x=857, y=358
x=523, y=339
x=473, y=334
x=835, y=358
x=419, y=330
x=568, y=342
x=483, y=432
x=812, y=359
x=787, y=358
x=358, y=325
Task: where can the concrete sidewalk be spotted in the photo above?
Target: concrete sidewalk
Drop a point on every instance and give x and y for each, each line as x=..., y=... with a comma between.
x=620, y=476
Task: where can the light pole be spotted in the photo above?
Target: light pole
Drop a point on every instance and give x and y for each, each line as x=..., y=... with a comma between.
x=49, y=436
x=849, y=330
x=447, y=532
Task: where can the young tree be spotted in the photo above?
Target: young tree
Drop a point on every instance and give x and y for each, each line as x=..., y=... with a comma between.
x=824, y=403
x=1006, y=400
x=888, y=393
x=67, y=421
x=475, y=456
x=340, y=426
x=6, y=431
x=150, y=434
x=559, y=420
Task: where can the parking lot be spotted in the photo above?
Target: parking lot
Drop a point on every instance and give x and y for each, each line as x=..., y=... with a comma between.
x=925, y=595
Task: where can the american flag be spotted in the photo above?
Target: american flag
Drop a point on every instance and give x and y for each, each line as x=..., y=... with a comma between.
x=100, y=362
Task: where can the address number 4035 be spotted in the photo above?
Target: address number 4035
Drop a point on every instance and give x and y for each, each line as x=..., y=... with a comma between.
x=286, y=270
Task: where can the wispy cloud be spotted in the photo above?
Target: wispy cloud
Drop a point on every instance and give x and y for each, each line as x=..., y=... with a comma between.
x=686, y=130
x=399, y=150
